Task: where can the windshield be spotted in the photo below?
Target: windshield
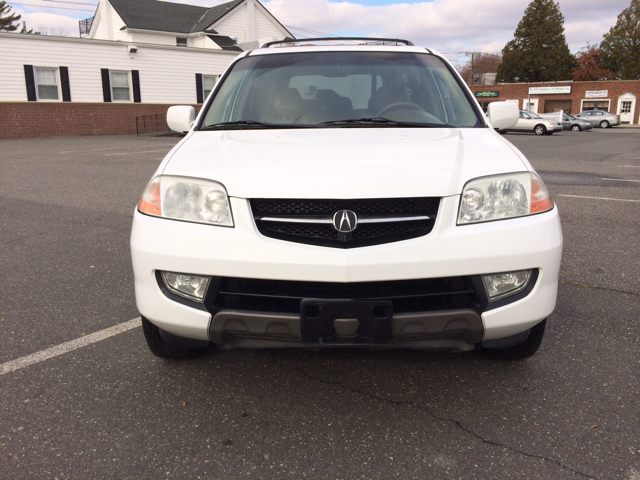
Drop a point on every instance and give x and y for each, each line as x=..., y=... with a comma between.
x=340, y=89
x=533, y=115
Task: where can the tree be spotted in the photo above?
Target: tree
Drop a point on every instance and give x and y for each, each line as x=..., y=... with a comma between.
x=53, y=31
x=7, y=18
x=620, y=48
x=589, y=67
x=539, y=50
x=480, y=63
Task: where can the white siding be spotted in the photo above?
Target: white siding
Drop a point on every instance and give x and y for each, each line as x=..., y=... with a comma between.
x=234, y=24
x=167, y=75
x=267, y=27
x=202, y=41
x=118, y=23
x=144, y=37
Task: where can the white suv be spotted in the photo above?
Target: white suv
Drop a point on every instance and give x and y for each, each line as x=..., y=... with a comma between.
x=345, y=194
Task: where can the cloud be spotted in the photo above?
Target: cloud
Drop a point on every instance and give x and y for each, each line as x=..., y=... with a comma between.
x=51, y=21
x=446, y=25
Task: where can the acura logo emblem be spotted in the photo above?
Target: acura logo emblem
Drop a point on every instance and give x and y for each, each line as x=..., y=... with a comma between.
x=345, y=221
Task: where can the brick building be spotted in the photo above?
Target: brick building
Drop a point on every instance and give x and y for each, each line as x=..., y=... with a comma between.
x=572, y=97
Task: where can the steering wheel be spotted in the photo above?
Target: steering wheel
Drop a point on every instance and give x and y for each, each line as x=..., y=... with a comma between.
x=398, y=106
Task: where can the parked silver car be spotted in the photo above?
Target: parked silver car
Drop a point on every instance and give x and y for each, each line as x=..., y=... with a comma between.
x=599, y=118
x=575, y=124
x=531, y=122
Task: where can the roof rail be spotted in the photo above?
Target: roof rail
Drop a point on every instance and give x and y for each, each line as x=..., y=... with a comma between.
x=383, y=41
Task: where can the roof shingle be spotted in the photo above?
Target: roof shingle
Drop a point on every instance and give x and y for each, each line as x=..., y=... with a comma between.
x=168, y=16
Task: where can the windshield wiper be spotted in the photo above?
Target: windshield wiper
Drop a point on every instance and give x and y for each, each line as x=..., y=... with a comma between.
x=238, y=123
x=382, y=121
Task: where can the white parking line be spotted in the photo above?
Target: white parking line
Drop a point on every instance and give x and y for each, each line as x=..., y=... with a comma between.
x=601, y=198
x=43, y=355
x=134, y=153
x=620, y=180
x=629, y=166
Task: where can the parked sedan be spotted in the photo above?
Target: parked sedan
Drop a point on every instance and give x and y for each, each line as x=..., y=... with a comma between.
x=599, y=118
x=530, y=122
x=575, y=124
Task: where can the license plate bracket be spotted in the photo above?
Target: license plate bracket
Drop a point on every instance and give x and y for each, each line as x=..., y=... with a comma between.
x=317, y=318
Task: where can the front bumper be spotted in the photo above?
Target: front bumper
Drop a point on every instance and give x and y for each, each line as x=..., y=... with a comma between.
x=533, y=242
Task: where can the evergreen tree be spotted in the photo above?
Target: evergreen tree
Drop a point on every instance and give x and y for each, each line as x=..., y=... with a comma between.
x=620, y=49
x=539, y=50
x=7, y=18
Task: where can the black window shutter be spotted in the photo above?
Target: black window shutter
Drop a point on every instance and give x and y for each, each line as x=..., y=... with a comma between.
x=106, y=84
x=64, y=83
x=135, y=79
x=31, y=83
x=199, y=92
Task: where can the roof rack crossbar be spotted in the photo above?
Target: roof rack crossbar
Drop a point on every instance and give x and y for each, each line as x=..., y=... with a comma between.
x=328, y=39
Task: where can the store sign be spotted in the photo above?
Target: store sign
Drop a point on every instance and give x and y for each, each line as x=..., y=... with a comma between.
x=487, y=94
x=597, y=94
x=549, y=90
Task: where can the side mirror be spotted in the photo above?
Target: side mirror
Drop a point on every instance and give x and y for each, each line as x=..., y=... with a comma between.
x=503, y=115
x=181, y=118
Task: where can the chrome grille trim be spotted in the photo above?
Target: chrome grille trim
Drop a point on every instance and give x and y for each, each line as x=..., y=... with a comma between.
x=329, y=221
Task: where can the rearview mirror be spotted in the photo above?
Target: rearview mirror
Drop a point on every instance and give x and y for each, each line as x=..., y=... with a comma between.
x=503, y=115
x=181, y=118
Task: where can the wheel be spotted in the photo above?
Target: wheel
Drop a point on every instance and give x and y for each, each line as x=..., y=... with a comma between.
x=575, y=128
x=399, y=105
x=604, y=124
x=163, y=349
x=539, y=130
x=521, y=351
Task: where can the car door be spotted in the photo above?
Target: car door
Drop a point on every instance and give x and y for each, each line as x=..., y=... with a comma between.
x=524, y=123
x=566, y=122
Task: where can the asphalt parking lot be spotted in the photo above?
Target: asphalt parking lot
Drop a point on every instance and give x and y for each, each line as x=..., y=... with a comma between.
x=111, y=410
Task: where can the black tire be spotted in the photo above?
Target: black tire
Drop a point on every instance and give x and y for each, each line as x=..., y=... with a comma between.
x=604, y=124
x=540, y=130
x=163, y=349
x=521, y=351
x=575, y=128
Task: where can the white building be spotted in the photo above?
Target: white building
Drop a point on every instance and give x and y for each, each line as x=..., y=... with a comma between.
x=136, y=58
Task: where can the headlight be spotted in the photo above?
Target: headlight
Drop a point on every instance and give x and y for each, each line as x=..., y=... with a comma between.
x=188, y=199
x=503, y=196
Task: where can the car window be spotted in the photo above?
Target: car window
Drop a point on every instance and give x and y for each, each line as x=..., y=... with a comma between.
x=533, y=115
x=309, y=89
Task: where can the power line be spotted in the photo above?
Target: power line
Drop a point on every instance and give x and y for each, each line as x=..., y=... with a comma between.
x=50, y=6
x=313, y=32
x=73, y=3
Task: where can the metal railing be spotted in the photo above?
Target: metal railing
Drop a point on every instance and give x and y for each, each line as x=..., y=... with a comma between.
x=85, y=26
x=152, y=124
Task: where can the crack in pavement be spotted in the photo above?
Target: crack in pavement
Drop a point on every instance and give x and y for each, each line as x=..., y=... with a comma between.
x=599, y=288
x=457, y=423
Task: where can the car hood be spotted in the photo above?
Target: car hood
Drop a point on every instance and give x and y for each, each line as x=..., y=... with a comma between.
x=344, y=162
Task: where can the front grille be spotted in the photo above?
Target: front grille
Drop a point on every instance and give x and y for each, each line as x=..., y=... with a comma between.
x=407, y=296
x=324, y=234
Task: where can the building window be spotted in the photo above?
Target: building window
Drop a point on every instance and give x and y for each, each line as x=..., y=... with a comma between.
x=595, y=105
x=47, y=83
x=120, y=90
x=208, y=82
x=181, y=42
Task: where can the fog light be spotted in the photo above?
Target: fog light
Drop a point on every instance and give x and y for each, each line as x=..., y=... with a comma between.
x=193, y=287
x=501, y=285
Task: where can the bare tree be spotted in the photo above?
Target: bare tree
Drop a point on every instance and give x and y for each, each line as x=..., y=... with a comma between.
x=480, y=63
x=53, y=31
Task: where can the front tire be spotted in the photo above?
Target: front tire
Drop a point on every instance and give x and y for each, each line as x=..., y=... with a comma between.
x=521, y=351
x=163, y=349
x=539, y=130
x=604, y=124
x=575, y=128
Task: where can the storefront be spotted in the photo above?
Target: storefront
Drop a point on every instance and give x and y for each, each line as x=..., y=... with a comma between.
x=617, y=97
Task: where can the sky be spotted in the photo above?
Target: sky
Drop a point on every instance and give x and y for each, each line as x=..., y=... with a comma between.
x=450, y=26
